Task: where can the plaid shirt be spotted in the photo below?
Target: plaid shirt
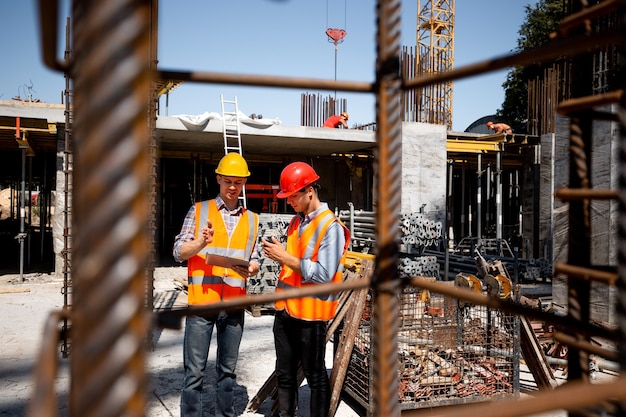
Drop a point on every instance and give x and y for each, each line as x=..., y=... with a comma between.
x=188, y=231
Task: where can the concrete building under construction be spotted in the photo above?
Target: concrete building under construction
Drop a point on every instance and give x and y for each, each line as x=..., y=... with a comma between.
x=443, y=169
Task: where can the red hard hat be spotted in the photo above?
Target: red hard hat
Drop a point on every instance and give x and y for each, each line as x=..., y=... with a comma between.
x=489, y=124
x=295, y=177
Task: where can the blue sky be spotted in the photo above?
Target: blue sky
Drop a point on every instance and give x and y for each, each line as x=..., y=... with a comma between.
x=275, y=37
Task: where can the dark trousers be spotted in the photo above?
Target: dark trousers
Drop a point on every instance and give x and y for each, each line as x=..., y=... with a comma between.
x=301, y=342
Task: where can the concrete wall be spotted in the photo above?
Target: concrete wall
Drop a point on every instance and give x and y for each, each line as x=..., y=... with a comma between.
x=604, y=175
x=424, y=169
x=554, y=174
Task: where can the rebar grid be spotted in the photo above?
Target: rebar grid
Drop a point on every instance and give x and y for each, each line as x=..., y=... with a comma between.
x=110, y=246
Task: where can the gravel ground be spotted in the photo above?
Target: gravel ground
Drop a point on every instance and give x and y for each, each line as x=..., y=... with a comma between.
x=25, y=305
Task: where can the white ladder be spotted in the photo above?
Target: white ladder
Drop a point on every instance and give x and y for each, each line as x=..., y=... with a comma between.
x=230, y=130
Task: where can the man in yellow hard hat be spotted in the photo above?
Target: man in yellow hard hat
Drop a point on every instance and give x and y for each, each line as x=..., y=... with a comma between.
x=218, y=241
x=337, y=120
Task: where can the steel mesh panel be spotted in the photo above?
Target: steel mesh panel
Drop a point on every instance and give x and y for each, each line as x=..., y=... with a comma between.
x=449, y=353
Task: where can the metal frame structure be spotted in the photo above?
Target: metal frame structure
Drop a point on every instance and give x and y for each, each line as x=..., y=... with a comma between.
x=112, y=72
x=435, y=54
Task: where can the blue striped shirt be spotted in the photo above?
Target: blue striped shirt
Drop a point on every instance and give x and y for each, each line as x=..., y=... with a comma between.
x=330, y=251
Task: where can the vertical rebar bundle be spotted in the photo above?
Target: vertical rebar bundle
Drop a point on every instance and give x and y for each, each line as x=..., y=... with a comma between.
x=315, y=109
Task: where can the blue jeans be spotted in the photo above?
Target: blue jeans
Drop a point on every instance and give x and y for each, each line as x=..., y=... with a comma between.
x=198, y=331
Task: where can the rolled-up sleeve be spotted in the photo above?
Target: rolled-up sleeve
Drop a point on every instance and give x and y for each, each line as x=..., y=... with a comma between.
x=329, y=256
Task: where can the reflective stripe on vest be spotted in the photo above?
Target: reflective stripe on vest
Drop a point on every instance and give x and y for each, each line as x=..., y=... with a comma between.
x=306, y=246
x=211, y=283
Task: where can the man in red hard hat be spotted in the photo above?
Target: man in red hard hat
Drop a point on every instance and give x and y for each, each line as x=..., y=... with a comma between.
x=499, y=127
x=317, y=243
x=337, y=120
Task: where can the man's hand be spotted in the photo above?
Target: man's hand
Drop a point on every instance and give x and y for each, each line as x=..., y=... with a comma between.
x=275, y=251
x=251, y=270
x=192, y=247
x=206, y=233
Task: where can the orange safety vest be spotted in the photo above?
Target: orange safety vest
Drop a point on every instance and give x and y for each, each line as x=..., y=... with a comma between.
x=306, y=246
x=211, y=283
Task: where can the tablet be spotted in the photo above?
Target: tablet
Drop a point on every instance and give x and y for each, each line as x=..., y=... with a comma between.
x=225, y=261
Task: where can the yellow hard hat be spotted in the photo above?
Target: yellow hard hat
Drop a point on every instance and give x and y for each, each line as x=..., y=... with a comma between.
x=345, y=114
x=233, y=165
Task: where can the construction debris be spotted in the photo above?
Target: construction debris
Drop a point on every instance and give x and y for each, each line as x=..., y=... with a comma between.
x=449, y=353
x=11, y=290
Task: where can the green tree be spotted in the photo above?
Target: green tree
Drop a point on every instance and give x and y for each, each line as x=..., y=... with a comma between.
x=540, y=21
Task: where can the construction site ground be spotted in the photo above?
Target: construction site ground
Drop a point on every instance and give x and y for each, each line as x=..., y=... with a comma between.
x=26, y=301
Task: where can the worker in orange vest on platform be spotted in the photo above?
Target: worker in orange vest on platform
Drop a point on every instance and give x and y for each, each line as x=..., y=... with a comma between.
x=222, y=230
x=337, y=120
x=317, y=243
x=499, y=127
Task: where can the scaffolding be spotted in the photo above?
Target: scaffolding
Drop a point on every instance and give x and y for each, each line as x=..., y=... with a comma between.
x=434, y=55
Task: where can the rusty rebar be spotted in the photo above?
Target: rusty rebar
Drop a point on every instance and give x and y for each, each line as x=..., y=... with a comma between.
x=265, y=81
x=583, y=16
x=587, y=274
x=386, y=283
x=568, y=194
x=551, y=51
x=111, y=244
x=106, y=114
x=579, y=216
x=621, y=220
x=44, y=401
x=507, y=306
x=48, y=22
x=589, y=347
x=153, y=162
x=66, y=213
x=171, y=318
x=589, y=102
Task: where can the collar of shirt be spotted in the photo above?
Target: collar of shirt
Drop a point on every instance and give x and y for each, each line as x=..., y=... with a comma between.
x=221, y=206
x=306, y=218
